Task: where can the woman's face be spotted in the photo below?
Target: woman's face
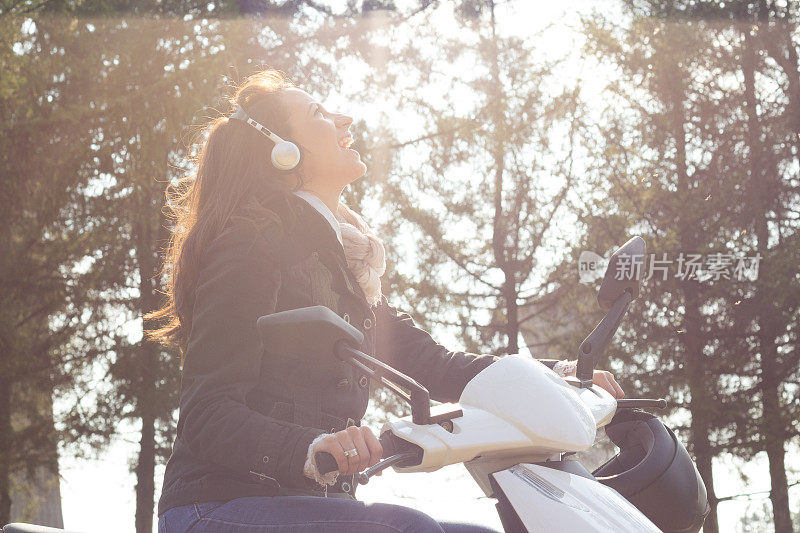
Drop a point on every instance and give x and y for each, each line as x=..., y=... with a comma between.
x=323, y=136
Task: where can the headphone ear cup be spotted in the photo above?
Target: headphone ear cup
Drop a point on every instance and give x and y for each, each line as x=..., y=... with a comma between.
x=285, y=155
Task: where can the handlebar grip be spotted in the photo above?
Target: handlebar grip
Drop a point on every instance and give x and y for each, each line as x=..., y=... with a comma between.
x=643, y=403
x=325, y=462
x=390, y=443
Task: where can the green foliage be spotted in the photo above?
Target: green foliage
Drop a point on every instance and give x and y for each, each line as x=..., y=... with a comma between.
x=697, y=155
x=484, y=210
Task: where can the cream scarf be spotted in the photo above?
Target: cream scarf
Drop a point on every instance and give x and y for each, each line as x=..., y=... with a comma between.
x=364, y=251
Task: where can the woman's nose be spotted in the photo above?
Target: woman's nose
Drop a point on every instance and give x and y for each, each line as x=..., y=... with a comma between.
x=344, y=121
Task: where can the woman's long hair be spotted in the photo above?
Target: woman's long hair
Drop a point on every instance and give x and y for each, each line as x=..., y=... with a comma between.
x=235, y=179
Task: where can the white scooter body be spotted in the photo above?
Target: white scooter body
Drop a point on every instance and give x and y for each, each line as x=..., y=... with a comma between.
x=518, y=411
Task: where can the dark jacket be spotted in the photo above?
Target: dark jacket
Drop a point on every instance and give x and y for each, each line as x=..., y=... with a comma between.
x=246, y=419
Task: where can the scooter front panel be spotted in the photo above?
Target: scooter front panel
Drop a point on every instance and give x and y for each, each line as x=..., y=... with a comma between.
x=534, y=399
x=474, y=433
x=551, y=500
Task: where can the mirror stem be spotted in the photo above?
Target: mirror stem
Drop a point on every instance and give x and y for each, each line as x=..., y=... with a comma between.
x=418, y=397
x=596, y=343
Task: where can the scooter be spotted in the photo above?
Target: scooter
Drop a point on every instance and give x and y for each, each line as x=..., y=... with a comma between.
x=516, y=423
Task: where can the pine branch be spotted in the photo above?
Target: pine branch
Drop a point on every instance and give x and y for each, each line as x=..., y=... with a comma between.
x=750, y=495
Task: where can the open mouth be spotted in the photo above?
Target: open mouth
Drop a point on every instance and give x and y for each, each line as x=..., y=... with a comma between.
x=345, y=143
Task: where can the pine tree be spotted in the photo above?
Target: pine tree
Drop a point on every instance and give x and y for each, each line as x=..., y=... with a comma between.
x=478, y=200
x=43, y=156
x=693, y=173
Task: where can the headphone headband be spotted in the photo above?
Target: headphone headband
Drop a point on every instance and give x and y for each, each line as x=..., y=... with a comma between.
x=242, y=115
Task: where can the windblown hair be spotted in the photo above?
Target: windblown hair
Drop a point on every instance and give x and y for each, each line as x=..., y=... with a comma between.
x=234, y=179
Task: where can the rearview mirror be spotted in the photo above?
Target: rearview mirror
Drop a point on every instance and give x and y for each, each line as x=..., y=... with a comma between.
x=306, y=333
x=623, y=273
x=619, y=288
x=312, y=334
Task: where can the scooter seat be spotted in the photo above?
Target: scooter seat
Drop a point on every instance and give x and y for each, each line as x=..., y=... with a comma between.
x=17, y=527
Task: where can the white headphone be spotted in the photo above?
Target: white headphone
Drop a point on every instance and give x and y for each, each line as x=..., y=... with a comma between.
x=285, y=154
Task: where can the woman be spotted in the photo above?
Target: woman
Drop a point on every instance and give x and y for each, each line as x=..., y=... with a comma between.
x=252, y=239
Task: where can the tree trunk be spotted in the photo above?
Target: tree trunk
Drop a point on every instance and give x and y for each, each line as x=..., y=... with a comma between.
x=512, y=314
x=145, y=470
x=699, y=403
x=36, y=491
x=500, y=228
x=148, y=241
x=5, y=450
x=693, y=340
x=772, y=423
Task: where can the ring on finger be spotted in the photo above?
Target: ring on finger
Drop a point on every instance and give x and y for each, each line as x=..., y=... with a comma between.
x=351, y=452
x=347, y=449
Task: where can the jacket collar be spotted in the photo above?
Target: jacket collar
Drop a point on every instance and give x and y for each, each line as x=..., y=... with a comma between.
x=317, y=203
x=314, y=228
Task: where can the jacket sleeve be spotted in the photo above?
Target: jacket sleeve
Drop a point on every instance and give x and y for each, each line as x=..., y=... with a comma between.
x=238, y=282
x=412, y=351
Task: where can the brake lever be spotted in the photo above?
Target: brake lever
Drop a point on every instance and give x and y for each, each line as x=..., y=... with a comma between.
x=659, y=403
x=363, y=477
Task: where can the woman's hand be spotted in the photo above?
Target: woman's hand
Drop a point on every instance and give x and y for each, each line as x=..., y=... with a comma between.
x=605, y=380
x=354, y=437
x=602, y=378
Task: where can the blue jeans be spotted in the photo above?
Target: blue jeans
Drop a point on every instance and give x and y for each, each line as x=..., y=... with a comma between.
x=305, y=514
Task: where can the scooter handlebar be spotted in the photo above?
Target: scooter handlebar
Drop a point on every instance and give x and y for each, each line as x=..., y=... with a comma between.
x=643, y=403
x=326, y=462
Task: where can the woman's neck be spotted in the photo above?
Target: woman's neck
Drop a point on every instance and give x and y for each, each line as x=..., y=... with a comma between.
x=329, y=197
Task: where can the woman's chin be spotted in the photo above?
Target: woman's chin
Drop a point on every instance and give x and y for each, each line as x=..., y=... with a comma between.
x=356, y=171
x=349, y=170
x=354, y=177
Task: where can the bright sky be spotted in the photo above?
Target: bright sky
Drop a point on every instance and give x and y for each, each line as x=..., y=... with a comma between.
x=98, y=495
